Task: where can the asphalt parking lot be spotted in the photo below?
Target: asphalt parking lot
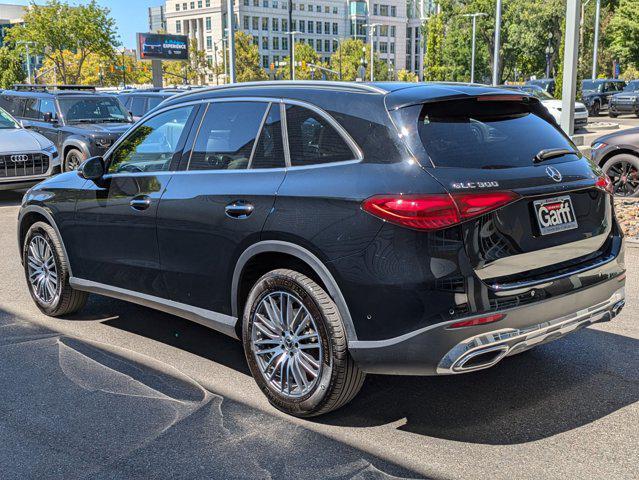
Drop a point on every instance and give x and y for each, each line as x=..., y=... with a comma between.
x=121, y=391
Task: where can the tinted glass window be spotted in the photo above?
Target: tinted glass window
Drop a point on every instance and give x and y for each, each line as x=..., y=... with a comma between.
x=6, y=122
x=269, y=152
x=155, y=101
x=47, y=105
x=312, y=140
x=92, y=109
x=138, y=106
x=227, y=135
x=151, y=146
x=14, y=105
x=472, y=134
x=31, y=108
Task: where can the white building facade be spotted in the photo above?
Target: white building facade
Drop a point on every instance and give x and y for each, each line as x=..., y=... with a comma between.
x=320, y=23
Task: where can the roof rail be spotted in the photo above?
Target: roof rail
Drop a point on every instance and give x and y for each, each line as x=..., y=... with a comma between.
x=336, y=85
x=24, y=87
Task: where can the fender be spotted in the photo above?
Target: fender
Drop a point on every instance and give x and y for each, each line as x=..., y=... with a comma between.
x=46, y=214
x=76, y=142
x=278, y=246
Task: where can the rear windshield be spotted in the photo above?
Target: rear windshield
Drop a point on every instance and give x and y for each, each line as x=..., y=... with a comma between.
x=485, y=134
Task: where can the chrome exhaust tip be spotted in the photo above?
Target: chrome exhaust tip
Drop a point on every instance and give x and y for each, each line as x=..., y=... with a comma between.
x=479, y=359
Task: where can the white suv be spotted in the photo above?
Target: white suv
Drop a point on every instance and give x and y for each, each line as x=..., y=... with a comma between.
x=26, y=157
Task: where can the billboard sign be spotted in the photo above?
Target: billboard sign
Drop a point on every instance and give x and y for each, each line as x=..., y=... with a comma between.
x=158, y=46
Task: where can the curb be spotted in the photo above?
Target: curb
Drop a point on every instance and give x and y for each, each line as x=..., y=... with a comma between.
x=632, y=242
x=598, y=126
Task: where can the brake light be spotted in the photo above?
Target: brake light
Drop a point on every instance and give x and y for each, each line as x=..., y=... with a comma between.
x=604, y=183
x=500, y=98
x=478, y=321
x=434, y=212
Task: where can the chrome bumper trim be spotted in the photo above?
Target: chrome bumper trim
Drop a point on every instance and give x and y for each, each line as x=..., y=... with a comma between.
x=510, y=341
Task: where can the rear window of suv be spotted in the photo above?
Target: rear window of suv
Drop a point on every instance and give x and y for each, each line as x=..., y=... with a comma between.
x=485, y=134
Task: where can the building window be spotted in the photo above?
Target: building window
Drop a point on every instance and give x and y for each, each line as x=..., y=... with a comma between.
x=383, y=30
x=177, y=7
x=265, y=23
x=265, y=3
x=392, y=47
x=192, y=5
x=302, y=7
x=318, y=45
x=246, y=3
x=264, y=43
x=335, y=29
x=375, y=9
x=284, y=25
x=178, y=26
x=199, y=3
x=247, y=22
x=383, y=10
x=265, y=62
x=318, y=27
x=393, y=11
x=275, y=4
x=276, y=24
x=208, y=23
x=276, y=43
x=393, y=31
x=284, y=43
x=302, y=26
x=184, y=6
x=327, y=28
x=327, y=45
x=383, y=47
x=255, y=22
x=334, y=10
x=318, y=9
x=207, y=3
x=310, y=27
x=256, y=3
x=209, y=43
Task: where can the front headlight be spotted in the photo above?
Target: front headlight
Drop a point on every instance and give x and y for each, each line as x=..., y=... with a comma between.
x=103, y=142
x=51, y=149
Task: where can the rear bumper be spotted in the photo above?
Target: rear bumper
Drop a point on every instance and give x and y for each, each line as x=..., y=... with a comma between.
x=439, y=350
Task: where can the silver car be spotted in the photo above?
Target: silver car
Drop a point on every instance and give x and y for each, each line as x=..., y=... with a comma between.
x=26, y=157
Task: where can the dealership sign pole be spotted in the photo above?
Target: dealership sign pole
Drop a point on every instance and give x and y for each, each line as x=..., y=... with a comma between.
x=571, y=56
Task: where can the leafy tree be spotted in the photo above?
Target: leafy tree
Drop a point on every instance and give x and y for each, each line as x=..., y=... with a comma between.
x=624, y=32
x=247, y=59
x=11, y=71
x=407, y=76
x=192, y=71
x=354, y=53
x=56, y=27
x=305, y=54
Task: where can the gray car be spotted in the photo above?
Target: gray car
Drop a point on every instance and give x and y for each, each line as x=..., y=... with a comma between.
x=26, y=157
x=618, y=155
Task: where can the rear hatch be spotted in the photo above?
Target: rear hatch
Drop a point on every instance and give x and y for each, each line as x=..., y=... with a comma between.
x=494, y=143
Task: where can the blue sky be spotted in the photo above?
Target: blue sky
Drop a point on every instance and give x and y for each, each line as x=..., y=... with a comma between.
x=131, y=16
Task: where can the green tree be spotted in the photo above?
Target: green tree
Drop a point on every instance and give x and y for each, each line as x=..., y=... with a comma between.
x=624, y=32
x=354, y=54
x=56, y=27
x=306, y=56
x=247, y=59
x=11, y=70
x=191, y=71
x=407, y=76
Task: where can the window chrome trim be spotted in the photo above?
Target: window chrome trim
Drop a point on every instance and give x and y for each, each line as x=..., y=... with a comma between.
x=284, y=124
x=197, y=134
x=259, y=135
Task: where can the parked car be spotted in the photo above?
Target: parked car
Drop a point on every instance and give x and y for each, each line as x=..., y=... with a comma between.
x=338, y=229
x=627, y=101
x=139, y=103
x=618, y=155
x=80, y=122
x=26, y=158
x=553, y=105
x=547, y=84
x=596, y=94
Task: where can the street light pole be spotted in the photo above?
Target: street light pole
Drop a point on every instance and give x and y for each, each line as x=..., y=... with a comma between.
x=596, y=42
x=231, y=26
x=571, y=57
x=371, y=27
x=472, y=54
x=291, y=39
x=291, y=35
x=497, y=42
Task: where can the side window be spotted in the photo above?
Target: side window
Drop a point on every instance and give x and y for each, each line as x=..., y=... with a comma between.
x=151, y=146
x=31, y=108
x=154, y=102
x=138, y=104
x=47, y=105
x=269, y=152
x=313, y=140
x=226, y=137
x=15, y=106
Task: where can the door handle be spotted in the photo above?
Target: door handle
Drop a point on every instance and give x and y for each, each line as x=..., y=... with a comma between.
x=141, y=202
x=239, y=209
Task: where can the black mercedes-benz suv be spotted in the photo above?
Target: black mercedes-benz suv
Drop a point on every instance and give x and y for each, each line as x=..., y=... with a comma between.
x=338, y=229
x=79, y=121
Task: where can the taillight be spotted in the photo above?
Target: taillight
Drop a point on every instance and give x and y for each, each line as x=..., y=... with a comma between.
x=604, y=183
x=433, y=212
x=478, y=321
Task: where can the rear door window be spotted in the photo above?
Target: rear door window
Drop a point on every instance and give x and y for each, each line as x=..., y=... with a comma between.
x=313, y=140
x=269, y=152
x=486, y=134
x=31, y=108
x=227, y=135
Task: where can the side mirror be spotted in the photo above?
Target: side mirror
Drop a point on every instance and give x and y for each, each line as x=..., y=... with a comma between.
x=49, y=118
x=92, y=169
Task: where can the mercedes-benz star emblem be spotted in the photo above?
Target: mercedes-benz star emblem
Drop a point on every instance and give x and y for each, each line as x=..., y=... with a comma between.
x=19, y=158
x=553, y=173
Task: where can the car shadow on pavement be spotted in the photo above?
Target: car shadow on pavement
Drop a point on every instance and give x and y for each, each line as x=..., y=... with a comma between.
x=79, y=409
x=543, y=392
x=10, y=198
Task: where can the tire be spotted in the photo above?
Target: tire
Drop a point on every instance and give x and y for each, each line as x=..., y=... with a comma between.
x=337, y=379
x=57, y=300
x=595, y=109
x=73, y=159
x=623, y=170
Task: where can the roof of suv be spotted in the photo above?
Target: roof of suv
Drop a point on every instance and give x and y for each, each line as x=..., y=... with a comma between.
x=397, y=94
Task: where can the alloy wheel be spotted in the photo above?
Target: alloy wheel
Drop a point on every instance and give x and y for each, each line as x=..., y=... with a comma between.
x=286, y=344
x=625, y=178
x=42, y=269
x=73, y=161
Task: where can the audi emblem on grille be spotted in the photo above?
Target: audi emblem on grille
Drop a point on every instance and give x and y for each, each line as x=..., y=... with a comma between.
x=19, y=158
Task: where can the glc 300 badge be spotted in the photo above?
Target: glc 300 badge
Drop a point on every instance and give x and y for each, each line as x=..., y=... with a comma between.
x=553, y=173
x=19, y=158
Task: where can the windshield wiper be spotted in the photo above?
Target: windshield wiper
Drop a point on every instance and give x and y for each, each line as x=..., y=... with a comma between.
x=549, y=153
